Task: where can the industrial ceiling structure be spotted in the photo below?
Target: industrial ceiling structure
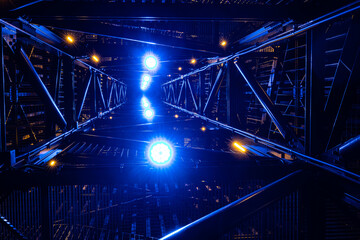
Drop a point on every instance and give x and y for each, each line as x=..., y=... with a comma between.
x=229, y=119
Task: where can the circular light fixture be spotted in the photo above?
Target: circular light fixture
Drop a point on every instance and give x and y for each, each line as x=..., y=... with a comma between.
x=149, y=114
x=203, y=129
x=223, y=43
x=145, y=102
x=151, y=62
x=160, y=153
x=145, y=82
x=193, y=61
x=179, y=68
x=239, y=147
x=70, y=39
x=52, y=163
x=95, y=58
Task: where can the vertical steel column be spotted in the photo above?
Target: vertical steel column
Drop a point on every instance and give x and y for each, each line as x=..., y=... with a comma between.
x=315, y=50
x=2, y=95
x=81, y=100
x=58, y=77
x=93, y=95
x=69, y=91
x=185, y=93
x=228, y=97
x=201, y=83
x=45, y=213
x=106, y=91
x=344, y=84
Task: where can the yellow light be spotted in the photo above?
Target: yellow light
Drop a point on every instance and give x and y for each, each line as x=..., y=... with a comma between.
x=93, y=129
x=95, y=58
x=52, y=163
x=176, y=116
x=223, y=43
x=180, y=68
x=110, y=117
x=70, y=39
x=203, y=129
x=193, y=61
x=239, y=147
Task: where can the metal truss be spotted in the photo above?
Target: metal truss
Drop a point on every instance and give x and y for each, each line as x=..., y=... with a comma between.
x=273, y=92
x=46, y=93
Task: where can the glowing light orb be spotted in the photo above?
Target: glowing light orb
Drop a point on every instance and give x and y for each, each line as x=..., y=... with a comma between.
x=145, y=82
x=145, y=102
x=52, y=163
x=95, y=58
x=149, y=114
x=223, y=43
x=160, y=153
x=70, y=39
x=239, y=147
x=151, y=62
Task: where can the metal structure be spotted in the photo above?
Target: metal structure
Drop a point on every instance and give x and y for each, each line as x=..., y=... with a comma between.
x=291, y=92
x=47, y=93
x=257, y=100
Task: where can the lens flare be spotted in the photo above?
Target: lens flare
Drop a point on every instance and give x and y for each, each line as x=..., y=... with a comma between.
x=145, y=102
x=151, y=62
x=145, y=82
x=149, y=114
x=160, y=153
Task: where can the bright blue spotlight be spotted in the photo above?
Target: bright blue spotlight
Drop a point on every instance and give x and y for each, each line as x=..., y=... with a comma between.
x=149, y=114
x=145, y=102
x=145, y=82
x=151, y=62
x=160, y=153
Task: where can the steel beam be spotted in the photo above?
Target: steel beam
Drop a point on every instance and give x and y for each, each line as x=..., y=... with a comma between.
x=216, y=83
x=2, y=95
x=314, y=77
x=41, y=89
x=350, y=8
x=266, y=102
x=344, y=83
x=93, y=99
x=59, y=10
x=181, y=90
x=57, y=78
x=192, y=94
x=86, y=89
x=350, y=148
x=4, y=222
x=219, y=222
x=201, y=91
x=110, y=94
x=69, y=91
x=355, y=178
x=101, y=92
